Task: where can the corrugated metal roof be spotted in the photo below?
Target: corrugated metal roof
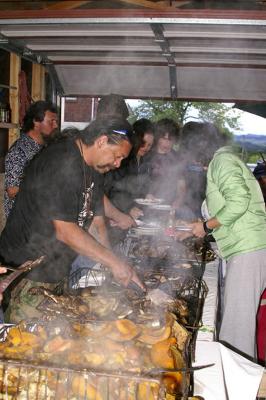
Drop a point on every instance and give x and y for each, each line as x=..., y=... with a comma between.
x=158, y=53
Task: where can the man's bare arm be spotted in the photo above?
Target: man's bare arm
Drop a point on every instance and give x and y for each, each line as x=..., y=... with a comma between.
x=83, y=243
x=99, y=232
x=121, y=220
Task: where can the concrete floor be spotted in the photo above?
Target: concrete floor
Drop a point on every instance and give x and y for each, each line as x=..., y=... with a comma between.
x=2, y=214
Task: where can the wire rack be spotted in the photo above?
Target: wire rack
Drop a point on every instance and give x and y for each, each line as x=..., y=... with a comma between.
x=37, y=380
x=21, y=380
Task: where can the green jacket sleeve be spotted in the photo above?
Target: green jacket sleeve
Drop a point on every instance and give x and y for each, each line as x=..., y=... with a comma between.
x=227, y=174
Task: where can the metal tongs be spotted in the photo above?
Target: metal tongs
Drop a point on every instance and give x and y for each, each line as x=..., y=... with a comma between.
x=156, y=371
x=136, y=288
x=156, y=295
x=27, y=266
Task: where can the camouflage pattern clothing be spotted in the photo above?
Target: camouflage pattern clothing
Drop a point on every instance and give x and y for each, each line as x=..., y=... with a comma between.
x=23, y=305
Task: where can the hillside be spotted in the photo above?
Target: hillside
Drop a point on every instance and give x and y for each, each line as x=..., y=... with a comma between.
x=252, y=143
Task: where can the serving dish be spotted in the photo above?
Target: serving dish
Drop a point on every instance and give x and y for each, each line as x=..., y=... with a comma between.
x=148, y=202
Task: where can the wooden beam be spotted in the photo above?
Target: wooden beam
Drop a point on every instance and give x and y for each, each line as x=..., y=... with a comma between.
x=15, y=66
x=38, y=83
x=67, y=5
x=136, y=13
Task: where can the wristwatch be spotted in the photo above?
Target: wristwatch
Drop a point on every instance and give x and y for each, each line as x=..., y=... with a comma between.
x=207, y=230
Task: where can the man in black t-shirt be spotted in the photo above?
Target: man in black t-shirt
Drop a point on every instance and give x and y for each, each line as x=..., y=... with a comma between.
x=53, y=205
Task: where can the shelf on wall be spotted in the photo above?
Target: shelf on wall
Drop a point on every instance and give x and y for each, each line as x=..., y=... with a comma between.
x=8, y=125
x=7, y=86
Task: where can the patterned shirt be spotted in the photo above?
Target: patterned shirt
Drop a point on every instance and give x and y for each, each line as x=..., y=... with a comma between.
x=17, y=158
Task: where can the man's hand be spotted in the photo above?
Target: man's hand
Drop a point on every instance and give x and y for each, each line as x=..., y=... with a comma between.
x=117, y=217
x=150, y=196
x=124, y=221
x=123, y=273
x=136, y=212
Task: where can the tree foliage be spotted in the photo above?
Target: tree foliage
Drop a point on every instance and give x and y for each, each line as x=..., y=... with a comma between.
x=222, y=115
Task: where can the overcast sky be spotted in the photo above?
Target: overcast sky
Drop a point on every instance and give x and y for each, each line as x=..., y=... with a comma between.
x=251, y=123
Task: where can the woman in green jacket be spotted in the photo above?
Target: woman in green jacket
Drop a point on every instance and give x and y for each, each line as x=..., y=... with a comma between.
x=238, y=224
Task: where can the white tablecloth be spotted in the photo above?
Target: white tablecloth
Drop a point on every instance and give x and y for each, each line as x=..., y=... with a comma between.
x=232, y=377
x=207, y=331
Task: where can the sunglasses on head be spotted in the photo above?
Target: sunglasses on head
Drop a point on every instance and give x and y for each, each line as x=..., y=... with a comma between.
x=120, y=132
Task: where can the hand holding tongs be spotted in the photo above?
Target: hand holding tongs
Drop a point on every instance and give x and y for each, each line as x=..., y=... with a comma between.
x=136, y=288
x=27, y=266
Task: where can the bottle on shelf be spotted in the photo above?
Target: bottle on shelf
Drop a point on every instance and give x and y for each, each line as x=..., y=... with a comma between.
x=2, y=112
x=8, y=113
x=5, y=113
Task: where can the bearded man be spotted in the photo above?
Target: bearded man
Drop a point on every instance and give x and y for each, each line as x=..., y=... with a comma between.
x=39, y=127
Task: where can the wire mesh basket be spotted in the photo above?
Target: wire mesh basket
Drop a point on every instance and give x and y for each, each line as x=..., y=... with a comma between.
x=192, y=290
x=85, y=277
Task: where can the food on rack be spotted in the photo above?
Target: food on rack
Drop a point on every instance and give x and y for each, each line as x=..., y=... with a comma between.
x=201, y=248
x=20, y=384
x=158, y=247
x=68, y=306
x=123, y=330
x=161, y=353
x=180, y=333
x=122, y=345
x=152, y=336
x=19, y=337
x=107, y=333
x=116, y=336
x=180, y=308
x=100, y=305
x=164, y=250
x=172, y=381
x=82, y=388
x=148, y=391
x=20, y=344
x=92, y=330
x=147, y=249
x=57, y=344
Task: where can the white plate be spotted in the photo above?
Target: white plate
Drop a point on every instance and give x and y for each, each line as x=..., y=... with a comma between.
x=147, y=224
x=183, y=228
x=146, y=230
x=148, y=202
x=165, y=207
